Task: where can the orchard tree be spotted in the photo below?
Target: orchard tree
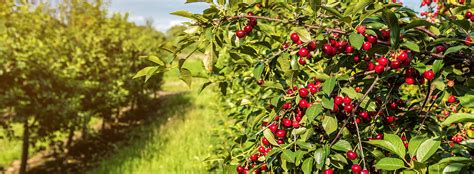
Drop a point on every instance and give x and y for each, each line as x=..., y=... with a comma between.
x=339, y=86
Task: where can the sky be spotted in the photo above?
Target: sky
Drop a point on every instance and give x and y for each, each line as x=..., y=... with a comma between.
x=159, y=10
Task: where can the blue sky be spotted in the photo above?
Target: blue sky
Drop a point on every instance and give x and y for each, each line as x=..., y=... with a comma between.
x=159, y=10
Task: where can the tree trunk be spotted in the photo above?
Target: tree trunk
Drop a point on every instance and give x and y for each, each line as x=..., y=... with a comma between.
x=25, y=147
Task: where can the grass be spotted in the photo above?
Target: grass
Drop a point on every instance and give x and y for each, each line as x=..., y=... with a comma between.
x=178, y=144
x=10, y=148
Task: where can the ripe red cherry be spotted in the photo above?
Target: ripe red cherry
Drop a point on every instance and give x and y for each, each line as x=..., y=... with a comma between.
x=379, y=69
x=389, y=119
x=312, y=46
x=366, y=46
x=349, y=49
x=240, y=169
x=302, y=61
x=260, y=81
x=440, y=49
x=273, y=128
x=372, y=39
x=287, y=106
x=370, y=66
x=468, y=41
x=383, y=61
x=468, y=15
x=361, y=29
x=265, y=141
x=285, y=45
x=313, y=90
x=393, y=105
x=294, y=37
x=429, y=75
x=409, y=80
x=385, y=34
x=365, y=171
x=461, y=1
x=348, y=108
x=248, y=29
x=356, y=59
x=410, y=72
x=250, y=13
x=254, y=157
x=356, y=168
x=335, y=108
x=328, y=171
x=303, y=92
x=289, y=92
x=472, y=18
x=338, y=100
x=286, y=122
x=403, y=56
x=395, y=64
x=351, y=155
x=358, y=89
x=379, y=136
x=280, y=133
x=280, y=142
x=303, y=52
x=261, y=149
x=296, y=124
x=327, y=49
x=452, y=99
x=264, y=167
x=364, y=115
x=240, y=33
x=303, y=103
x=346, y=100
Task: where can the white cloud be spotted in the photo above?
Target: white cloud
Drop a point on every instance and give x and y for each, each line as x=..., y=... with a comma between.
x=137, y=19
x=165, y=26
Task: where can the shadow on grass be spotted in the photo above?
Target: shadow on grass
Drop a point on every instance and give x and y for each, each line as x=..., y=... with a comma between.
x=85, y=154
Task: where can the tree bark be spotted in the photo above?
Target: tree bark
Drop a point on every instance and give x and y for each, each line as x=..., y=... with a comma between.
x=25, y=147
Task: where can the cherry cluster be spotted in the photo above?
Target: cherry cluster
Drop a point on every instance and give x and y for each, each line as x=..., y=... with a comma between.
x=252, y=22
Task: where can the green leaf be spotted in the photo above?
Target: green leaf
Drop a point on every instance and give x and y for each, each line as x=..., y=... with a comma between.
x=427, y=149
x=417, y=23
x=288, y=155
x=414, y=143
x=328, y=103
x=455, y=49
x=203, y=86
x=392, y=143
x=389, y=164
x=192, y=1
x=342, y=145
x=351, y=93
x=467, y=100
x=329, y=85
x=391, y=19
x=156, y=60
x=269, y=136
x=147, y=71
x=183, y=13
x=412, y=46
x=299, y=156
x=304, y=34
x=356, y=40
x=454, y=168
x=329, y=124
x=320, y=157
x=338, y=160
x=313, y=111
x=332, y=10
x=437, y=66
x=185, y=75
x=439, y=84
x=458, y=118
x=307, y=166
x=257, y=71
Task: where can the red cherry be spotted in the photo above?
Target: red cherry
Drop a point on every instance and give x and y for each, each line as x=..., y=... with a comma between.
x=365, y=171
x=372, y=39
x=410, y=72
x=273, y=128
x=356, y=168
x=252, y=22
x=366, y=46
x=403, y=137
x=313, y=90
x=280, y=142
x=409, y=80
x=393, y=105
x=261, y=149
x=440, y=49
x=268, y=149
x=240, y=169
x=351, y=155
x=312, y=46
x=403, y=56
x=260, y=82
x=280, y=133
x=250, y=13
x=338, y=100
x=461, y=1
x=385, y=34
x=383, y=61
x=395, y=64
x=452, y=99
x=349, y=49
x=328, y=171
x=429, y=75
x=406, y=145
x=296, y=124
x=303, y=103
x=356, y=59
x=335, y=108
x=264, y=167
x=348, y=108
x=302, y=61
x=303, y=92
x=248, y=29
x=358, y=89
x=360, y=29
x=389, y=119
x=285, y=45
x=327, y=49
x=379, y=69
x=468, y=15
x=346, y=100
x=472, y=18
x=294, y=37
x=303, y=52
x=299, y=42
x=370, y=66
x=240, y=33
x=289, y=92
x=379, y=136
x=254, y=157
x=265, y=141
x=287, y=106
x=364, y=115
x=468, y=41
x=286, y=122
